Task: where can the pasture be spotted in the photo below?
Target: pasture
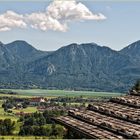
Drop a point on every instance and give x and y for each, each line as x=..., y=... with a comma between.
x=61, y=93
x=23, y=137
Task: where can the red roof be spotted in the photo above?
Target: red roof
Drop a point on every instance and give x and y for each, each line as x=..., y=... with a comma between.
x=37, y=99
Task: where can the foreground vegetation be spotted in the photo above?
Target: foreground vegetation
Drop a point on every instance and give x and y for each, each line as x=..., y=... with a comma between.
x=33, y=121
x=23, y=137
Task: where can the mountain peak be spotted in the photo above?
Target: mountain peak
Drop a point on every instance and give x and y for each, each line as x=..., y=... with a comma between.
x=133, y=51
x=72, y=45
x=77, y=45
x=132, y=46
x=19, y=42
x=20, y=45
x=92, y=43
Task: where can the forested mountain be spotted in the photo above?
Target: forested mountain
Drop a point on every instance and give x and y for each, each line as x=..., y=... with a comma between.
x=80, y=67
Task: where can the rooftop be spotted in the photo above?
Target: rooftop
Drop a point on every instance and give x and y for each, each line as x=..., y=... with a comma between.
x=116, y=119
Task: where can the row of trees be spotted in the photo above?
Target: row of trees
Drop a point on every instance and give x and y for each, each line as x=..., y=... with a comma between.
x=40, y=118
x=48, y=130
x=40, y=124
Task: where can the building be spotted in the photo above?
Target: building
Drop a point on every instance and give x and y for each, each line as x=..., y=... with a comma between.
x=37, y=100
x=118, y=118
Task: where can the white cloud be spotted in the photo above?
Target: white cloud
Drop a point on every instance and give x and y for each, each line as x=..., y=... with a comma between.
x=71, y=10
x=3, y=29
x=59, y=13
x=11, y=20
x=45, y=22
x=56, y=17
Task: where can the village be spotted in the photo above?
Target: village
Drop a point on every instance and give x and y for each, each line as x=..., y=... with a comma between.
x=35, y=113
x=24, y=106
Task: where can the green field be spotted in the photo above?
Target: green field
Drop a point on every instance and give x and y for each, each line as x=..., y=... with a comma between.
x=26, y=110
x=12, y=116
x=5, y=115
x=23, y=138
x=60, y=93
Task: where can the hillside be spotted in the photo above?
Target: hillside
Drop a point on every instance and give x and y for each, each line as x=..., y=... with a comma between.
x=76, y=66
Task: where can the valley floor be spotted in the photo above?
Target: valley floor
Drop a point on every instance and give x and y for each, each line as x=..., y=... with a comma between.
x=60, y=93
x=55, y=100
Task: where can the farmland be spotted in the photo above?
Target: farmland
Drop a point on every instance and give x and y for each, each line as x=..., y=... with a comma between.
x=59, y=99
x=61, y=93
x=23, y=137
x=48, y=94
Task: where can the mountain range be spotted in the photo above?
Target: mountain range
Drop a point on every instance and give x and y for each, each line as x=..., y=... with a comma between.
x=76, y=67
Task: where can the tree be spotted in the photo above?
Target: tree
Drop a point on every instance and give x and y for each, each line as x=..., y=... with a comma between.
x=42, y=121
x=6, y=127
x=137, y=86
x=64, y=104
x=26, y=130
x=29, y=121
x=58, y=130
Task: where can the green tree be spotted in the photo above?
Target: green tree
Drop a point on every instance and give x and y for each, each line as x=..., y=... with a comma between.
x=137, y=86
x=58, y=130
x=6, y=127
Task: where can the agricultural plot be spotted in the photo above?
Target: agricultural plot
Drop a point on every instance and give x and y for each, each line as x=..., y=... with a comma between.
x=23, y=137
x=26, y=110
x=62, y=93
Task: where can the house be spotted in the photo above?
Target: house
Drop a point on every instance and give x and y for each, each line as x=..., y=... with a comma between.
x=22, y=113
x=19, y=106
x=37, y=100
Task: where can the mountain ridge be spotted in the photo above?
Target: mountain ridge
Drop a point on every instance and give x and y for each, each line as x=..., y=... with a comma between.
x=86, y=66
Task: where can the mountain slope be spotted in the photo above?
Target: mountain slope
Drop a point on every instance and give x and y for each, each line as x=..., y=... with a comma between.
x=13, y=58
x=76, y=66
x=24, y=52
x=133, y=51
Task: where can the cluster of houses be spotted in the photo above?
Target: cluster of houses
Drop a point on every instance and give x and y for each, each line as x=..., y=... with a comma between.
x=36, y=101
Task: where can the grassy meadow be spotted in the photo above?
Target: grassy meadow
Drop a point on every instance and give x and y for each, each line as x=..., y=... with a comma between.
x=23, y=138
x=60, y=93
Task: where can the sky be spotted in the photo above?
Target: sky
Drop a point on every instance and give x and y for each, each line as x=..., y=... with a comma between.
x=49, y=25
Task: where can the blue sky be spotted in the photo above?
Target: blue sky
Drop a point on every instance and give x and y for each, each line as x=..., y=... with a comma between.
x=120, y=28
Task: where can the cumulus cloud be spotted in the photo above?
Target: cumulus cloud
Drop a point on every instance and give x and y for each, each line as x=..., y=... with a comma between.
x=45, y=22
x=59, y=13
x=56, y=17
x=11, y=20
x=71, y=10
